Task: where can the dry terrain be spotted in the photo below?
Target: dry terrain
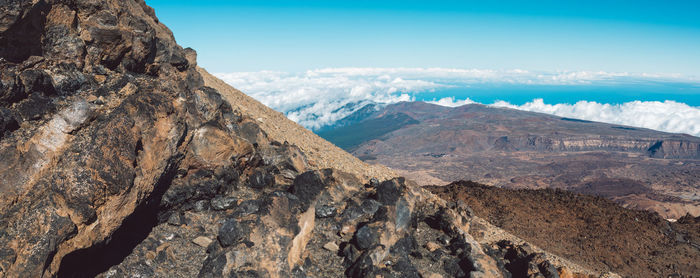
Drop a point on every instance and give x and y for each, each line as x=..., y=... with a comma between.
x=588, y=230
x=638, y=168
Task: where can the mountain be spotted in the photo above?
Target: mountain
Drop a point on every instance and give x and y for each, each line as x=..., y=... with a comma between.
x=588, y=229
x=119, y=157
x=639, y=168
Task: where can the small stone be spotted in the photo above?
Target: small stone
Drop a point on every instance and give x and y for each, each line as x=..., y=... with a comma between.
x=231, y=233
x=248, y=207
x=433, y=275
x=201, y=205
x=175, y=219
x=370, y=206
x=261, y=179
x=169, y=237
x=350, y=253
x=100, y=78
x=373, y=182
x=202, y=241
x=432, y=246
x=223, y=203
x=331, y=246
x=347, y=229
x=324, y=211
x=366, y=237
x=548, y=269
x=444, y=239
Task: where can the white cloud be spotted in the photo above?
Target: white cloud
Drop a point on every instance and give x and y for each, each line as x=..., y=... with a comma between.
x=317, y=98
x=451, y=102
x=669, y=116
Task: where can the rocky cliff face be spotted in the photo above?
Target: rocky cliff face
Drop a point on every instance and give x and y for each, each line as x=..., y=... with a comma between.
x=117, y=160
x=99, y=108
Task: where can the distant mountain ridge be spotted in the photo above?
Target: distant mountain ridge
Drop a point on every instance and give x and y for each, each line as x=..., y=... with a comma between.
x=513, y=148
x=568, y=135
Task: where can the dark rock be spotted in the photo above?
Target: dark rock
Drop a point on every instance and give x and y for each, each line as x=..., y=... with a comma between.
x=548, y=270
x=261, y=179
x=381, y=215
x=458, y=246
x=404, y=246
x=350, y=253
x=68, y=79
x=388, y=192
x=251, y=132
x=8, y=123
x=366, y=237
x=352, y=212
x=34, y=107
x=363, y=267
x=373, y=183
x=201, y=205
x=60, y=41
x=247, y=274
x=7, y=258
x=223, y=203
x=405, y=268
x=453, y=268
x=403, y=214
x=198, y=186
x=175, y=219
x=11, y=90
x=308, y=185
x=37, y=81
x=247, y=207
x=232, y=232
x=370, y=207
x=324, y=211
x=436, y=255
x=213, y=266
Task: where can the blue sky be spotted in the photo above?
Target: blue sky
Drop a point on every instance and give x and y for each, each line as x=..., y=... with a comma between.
x=625, y=62
x=618, y=36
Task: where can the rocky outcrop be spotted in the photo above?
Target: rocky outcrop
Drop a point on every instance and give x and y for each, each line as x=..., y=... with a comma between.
x=668, y=148
x=674, y=149
x=99, y=107
x=324, y=224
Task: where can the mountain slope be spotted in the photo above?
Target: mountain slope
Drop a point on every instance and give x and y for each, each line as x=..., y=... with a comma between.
x=278, y=127
x=587, y=229
x=119, y=157
x=637, y=167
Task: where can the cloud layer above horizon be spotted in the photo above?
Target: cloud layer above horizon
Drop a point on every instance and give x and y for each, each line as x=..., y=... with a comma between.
x=318, y=98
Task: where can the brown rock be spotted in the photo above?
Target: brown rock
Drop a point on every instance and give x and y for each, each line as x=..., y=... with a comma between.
x=432, y=246
x=331, y=246
x=202, y=241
